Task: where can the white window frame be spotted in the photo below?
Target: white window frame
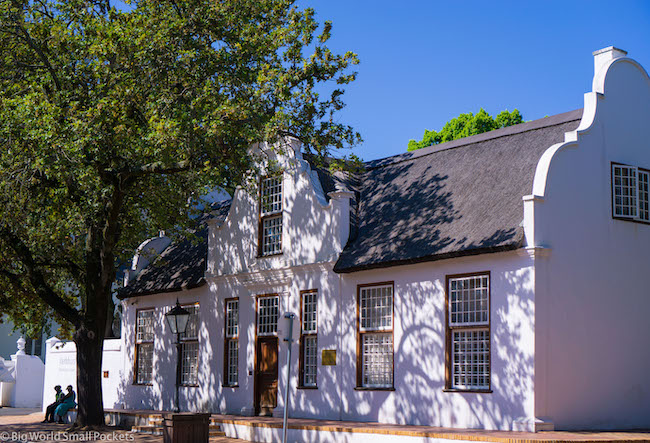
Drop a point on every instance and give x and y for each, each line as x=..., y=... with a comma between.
x=231, y=344
x=639, y=207
x=190, y=348
x=381, y=331
x=190, y=363
x=272, y=329
x=141, y=343
x=643, y=195
x=271, y=215
x=368, y=307
x=461, y=285
x=309, y=338
x=269, y=227
x=459, y=290
x=232, y=351
x=478, y=358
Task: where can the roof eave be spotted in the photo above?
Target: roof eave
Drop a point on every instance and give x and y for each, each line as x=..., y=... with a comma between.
x=429, y=258
x=161, y=292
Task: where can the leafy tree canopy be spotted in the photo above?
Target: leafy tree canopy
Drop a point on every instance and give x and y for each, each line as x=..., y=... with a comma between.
x=112, y=123
x=465, y=125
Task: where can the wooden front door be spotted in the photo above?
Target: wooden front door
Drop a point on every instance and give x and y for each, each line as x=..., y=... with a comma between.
x=266, y=375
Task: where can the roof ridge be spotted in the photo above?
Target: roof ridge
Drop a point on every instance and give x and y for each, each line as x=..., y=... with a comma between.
x=545, y=122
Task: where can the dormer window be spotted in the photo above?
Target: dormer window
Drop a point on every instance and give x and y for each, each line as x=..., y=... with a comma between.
x=270, y=216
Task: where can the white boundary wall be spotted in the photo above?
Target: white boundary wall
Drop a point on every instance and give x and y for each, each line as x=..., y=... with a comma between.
x=61, y=369
x=28, y=372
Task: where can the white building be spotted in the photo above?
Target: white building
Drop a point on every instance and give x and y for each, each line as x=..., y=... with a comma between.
x=494, y=282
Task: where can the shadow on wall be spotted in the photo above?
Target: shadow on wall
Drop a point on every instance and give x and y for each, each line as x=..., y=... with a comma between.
x=419, y=362
x=416, y=213
x=160, y=393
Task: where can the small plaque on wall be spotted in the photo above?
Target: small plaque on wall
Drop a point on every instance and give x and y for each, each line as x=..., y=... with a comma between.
x=329, y=357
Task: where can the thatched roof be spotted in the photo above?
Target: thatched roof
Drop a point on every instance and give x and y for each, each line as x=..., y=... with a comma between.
x=462, y=197
x=458, y=198
x=181, y=265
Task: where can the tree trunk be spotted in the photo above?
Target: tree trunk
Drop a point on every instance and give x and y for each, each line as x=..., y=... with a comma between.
x=89, y=381
x=110, y=317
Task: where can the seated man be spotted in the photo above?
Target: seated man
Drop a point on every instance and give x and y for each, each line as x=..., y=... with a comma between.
x=49, y=412
x=67, y=403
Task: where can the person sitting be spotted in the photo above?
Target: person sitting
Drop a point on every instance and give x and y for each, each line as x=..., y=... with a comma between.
x=49, y=412
x=67, y=403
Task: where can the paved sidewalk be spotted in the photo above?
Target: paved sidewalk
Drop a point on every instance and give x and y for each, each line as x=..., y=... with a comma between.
x=338, y=429
x=17, y=424
x=433, y=433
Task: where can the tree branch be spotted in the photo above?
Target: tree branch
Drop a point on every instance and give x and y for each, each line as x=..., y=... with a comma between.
x=158, y=168
x=66, y=264
x=41, y=54
x=36, y=278
x=14, y=279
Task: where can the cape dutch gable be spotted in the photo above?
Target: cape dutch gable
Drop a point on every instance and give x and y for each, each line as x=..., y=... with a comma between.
x=493, y=282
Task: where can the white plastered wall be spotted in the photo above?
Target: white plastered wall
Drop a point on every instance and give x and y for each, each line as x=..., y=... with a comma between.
x=419, y=347
x=314, y=232
x=159, y=395
x=592, y=300
x=61, y=369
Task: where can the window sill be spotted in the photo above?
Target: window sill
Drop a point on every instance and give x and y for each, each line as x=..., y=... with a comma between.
x=142, y=384
x=628, y=219
x=368, y=388
x=313, y=388
x=269, y=255
x=229, y=386
x=468, y=391
x=188, y=386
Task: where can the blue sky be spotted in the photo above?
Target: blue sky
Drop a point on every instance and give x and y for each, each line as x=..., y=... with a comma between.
x=425, y=62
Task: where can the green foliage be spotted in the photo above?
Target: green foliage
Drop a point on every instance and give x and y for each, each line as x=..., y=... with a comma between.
x=465, y=125
x=349, y=163
x=113, y=123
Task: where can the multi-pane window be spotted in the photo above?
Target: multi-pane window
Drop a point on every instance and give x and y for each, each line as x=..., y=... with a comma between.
x=375, y=364
x=267, y=315
x=272, y=235
x=190, y=363
x=469, y=301
x=378, y=360
x=468, y=332
x=624, y=189
x=644, y=197
x=271, y=195
x=308, y=338
x=144, y=346
x=630, y=197
x=231, y=347
x=190, y=348
x=271, y=216
x=471, y=359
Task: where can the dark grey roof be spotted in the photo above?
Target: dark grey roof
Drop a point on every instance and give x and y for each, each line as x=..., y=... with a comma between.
x=181, y=265
x=462, y=197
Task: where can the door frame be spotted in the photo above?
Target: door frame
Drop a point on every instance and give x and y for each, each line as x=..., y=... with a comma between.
x=256, y=403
